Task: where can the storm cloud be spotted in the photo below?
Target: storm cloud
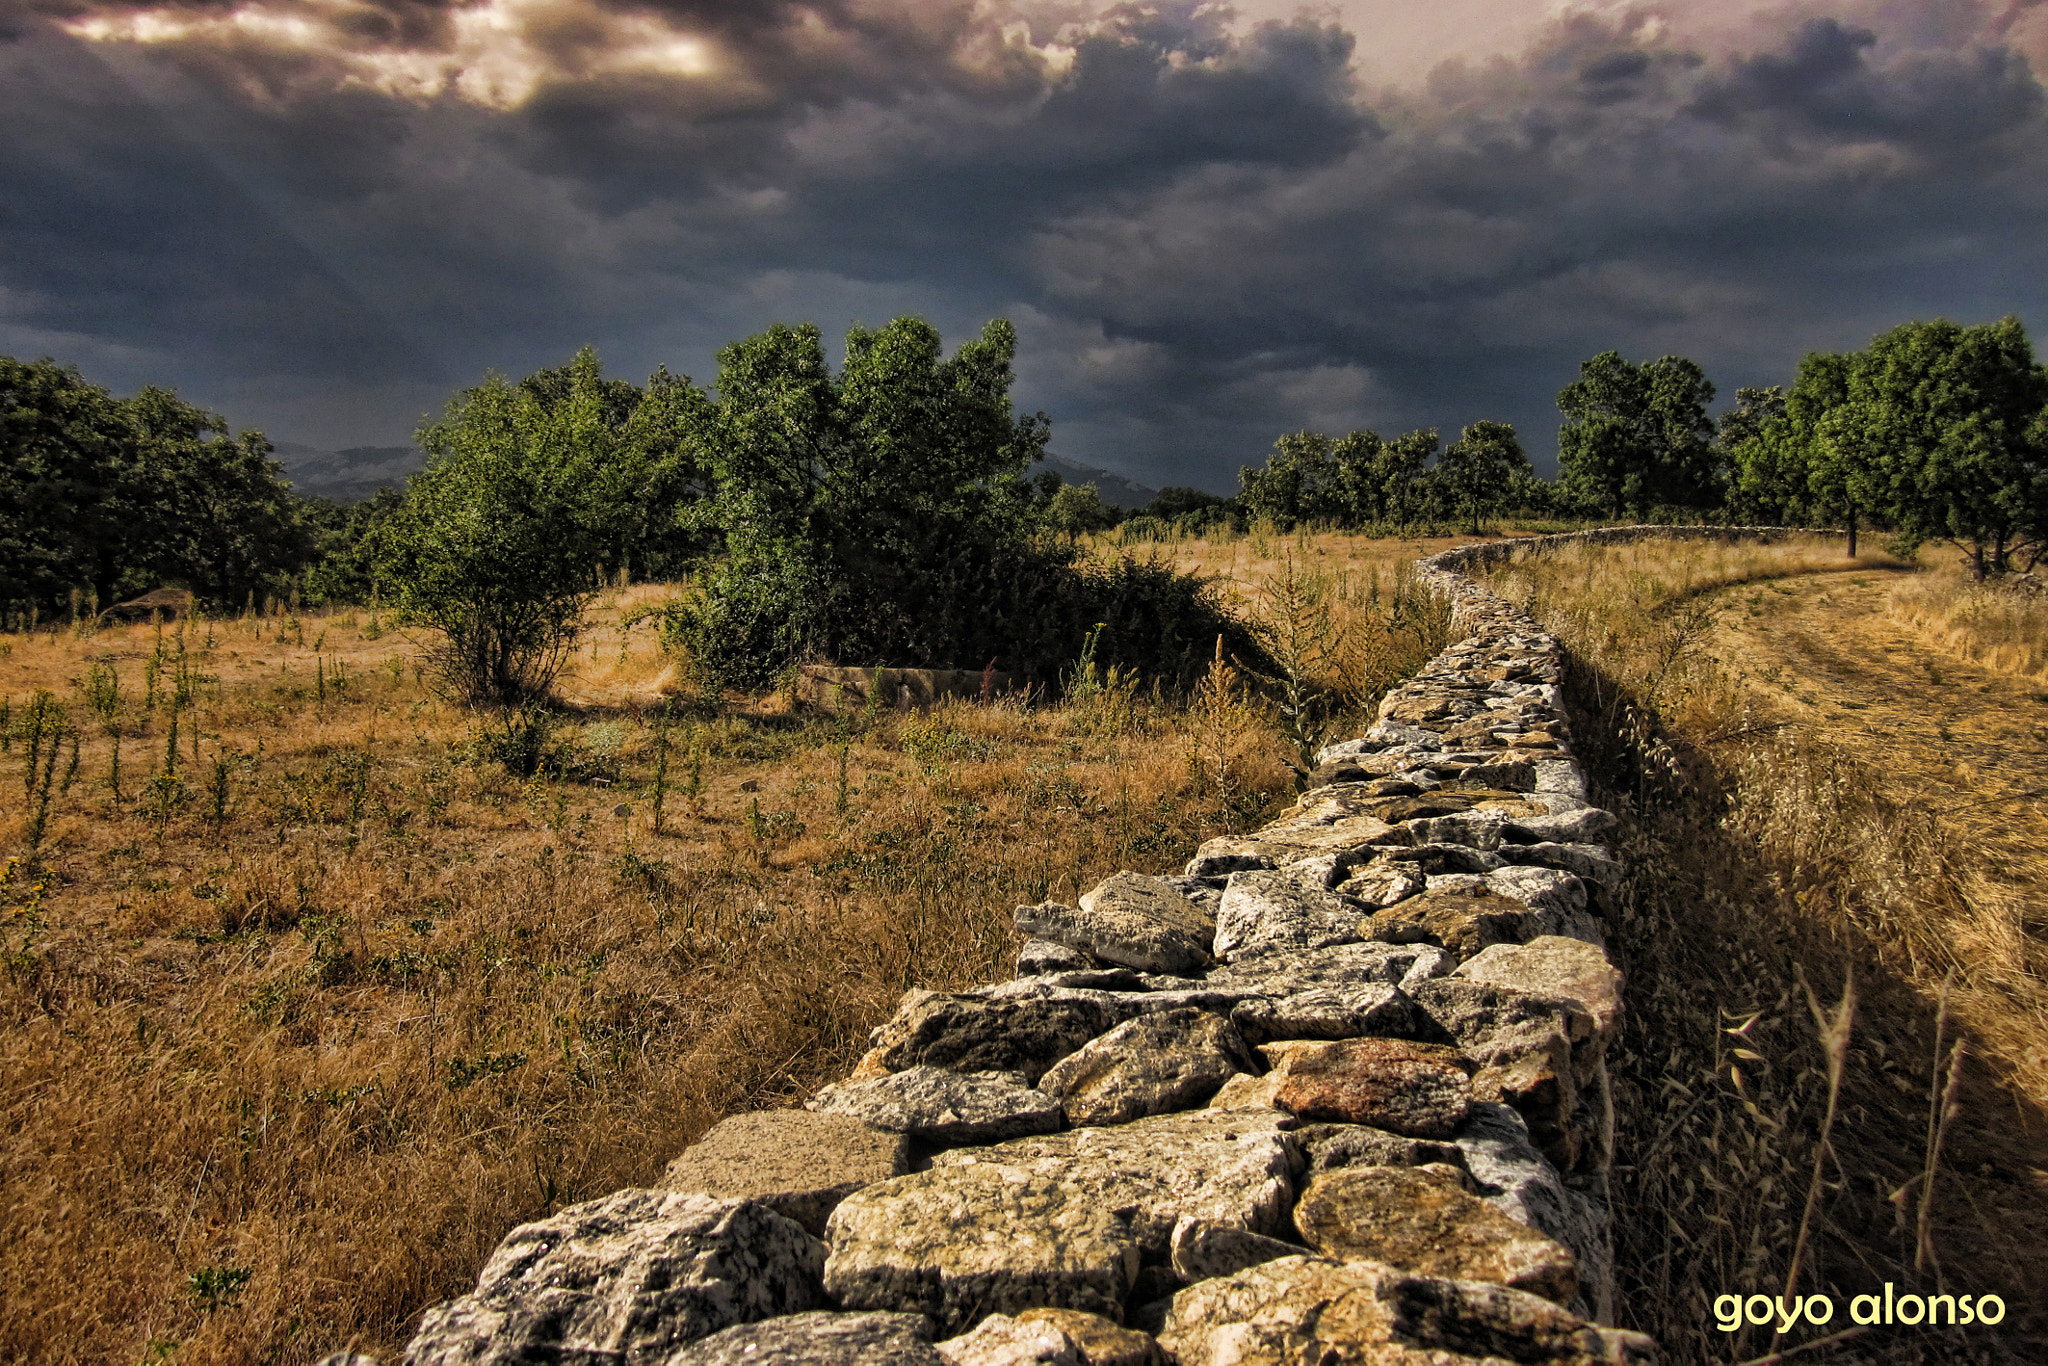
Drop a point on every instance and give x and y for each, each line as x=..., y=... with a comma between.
x=322, y=216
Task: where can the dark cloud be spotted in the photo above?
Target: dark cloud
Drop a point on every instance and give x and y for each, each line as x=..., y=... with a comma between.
x=1205, y=230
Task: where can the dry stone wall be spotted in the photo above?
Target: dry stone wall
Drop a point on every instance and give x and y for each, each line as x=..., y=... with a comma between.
x=1335, y=1093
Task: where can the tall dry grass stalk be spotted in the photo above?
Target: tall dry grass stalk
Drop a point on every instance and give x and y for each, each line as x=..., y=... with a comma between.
x=1756, y=1150
x=2000, y=626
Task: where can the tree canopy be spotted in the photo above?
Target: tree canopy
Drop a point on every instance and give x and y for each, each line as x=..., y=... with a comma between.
x=1638, y=436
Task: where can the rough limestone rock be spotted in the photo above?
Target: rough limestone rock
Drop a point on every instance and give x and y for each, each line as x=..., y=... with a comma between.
x=633, y=1275
x=820, y=1338
x=1416, y=1219
x=1201, y=1249
x=949, y=1108
x=1375, y=1009
x=1000, y=1340
x=1171, y=1060
x=1234, y=1168
x=1417, y=1089
x=1331, y=1146
x=1382, y=883
x=1312, y=1310
x=1555, y=966
x=1041, y=956
x=958, y=1243
x=1462, y=922
x=1565, y=827
x=796, y=1163
x=1500, y=1156
x=1275, y=910
x=968, y=1032
x=1100, y=1342
x=1529, y=1052
x=1136, y=921
x=1289, y=972
x=1589, y=861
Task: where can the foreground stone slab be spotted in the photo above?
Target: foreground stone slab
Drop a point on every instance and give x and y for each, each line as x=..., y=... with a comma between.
x=1499, y=1154
x=1417, y=1089
x=820, y=1338
x=1156, y=1063
x=966, y=1032
x=1135, y=921
x=1202, y=1250
x=1100, y=1342
x=1310, y=1310
x=1233, y=1168
x=1000, y=1340
x=796, y=1163
x=960, y=1243
x=1333, y=1013
x=1528, y=1051
x=950, y=1108
x=1419, y=1219
x=1331, y=1146
x=1289, y=972
x=1276, y=910
x=628, y=1278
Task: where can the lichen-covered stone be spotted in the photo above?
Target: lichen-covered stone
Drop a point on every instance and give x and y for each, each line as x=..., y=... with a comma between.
x=1554, y=966
x=629, y=1277
x=1201, y=1249
x=1289, y=972
x=1137, y=921
x=1234, y=1168
x=819, y=1338
x=796, y=1163
x=1461, y=922
x=1417, y=1089
x=1382, y=883
x=1170, y=1060
x=1000, y=1340
x=1419, y=1220
x=936, y=1106
x=1100, y=1342
x=1312, y=1310
x=1276, y=910
x=958, y=1243
x=967, y=1032
x=1375, y=1009
x=1524, y=1186
x=1041, y=956
x=1331, y=1146
x=1528, y=1051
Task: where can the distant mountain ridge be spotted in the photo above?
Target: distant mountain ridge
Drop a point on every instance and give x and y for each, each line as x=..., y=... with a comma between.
x=350, y=475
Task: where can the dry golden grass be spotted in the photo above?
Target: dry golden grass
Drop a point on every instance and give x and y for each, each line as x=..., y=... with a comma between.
x=1812, y=789
x=388, y=999
x=2003, y=629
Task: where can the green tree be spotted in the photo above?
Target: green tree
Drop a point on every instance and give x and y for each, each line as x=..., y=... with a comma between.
x=1637, y=436
x=1943, y=424
x=1074, y=510
x=1299, y=481
x=64, y=452
x=1478, y=469
x=497, y=544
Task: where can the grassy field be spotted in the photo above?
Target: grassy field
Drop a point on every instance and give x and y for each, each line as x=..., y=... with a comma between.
x=1820, y=784
x=316, y=984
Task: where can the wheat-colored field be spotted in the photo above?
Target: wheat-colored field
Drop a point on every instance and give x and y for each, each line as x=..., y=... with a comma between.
x=1820, y=785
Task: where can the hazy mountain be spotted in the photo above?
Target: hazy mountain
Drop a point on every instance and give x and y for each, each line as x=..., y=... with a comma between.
x=1114, y=488
x=350, y=475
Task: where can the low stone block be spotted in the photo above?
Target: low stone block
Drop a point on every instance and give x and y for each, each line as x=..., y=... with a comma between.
x=1138, y=922
x=1000, y=1340
x=966, y=1032
x=1417, y=1089
x=1100, y=1342
x=1262, y=911
x=796, y=1163
x=1374, y=1010
x=1422, y=1220
x=1329, y=1147
x=1201, y=1249
x=949, y=1108
x=1526, y=1049
x=1156, y=1063
x=819, y=1338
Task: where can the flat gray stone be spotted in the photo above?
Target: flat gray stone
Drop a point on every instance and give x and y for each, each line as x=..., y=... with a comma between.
x=1557, y=966
x=1041, y=956
x=1156, y=1063
x=974, y=1032
x=1276, y=910
x=1202, y=1250
x=936, y=1106
x=1137, y=922
x=1000, y=1340
x=630, y=1277
x=1331, y=1146
x=819, y=1338
x=1516, y=1179
x=958, y=1243
x=1289, y=972
x=796, y=1163
x=1417, y=1089
x=1235, y=1168
x=1373, y=1010
x=1382, y=883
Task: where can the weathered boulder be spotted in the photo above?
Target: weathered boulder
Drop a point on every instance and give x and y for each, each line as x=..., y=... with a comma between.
x=1527, y=1049
x=1041, y=956
x=1234, y=1168
x=796, y=1163
x=958, y=1243
x=1169, y=1060
x=1375, y=1009
x=1557, y=967
x=1309, y=1309
x=950, y=1108
x=1289, y=972
x=970, y=1032
x=1137, y=921
x=1381, y=883
x=1331, y=1146
x=1275, y=910
x=1461, y=922
x=1419, y=1219
x=1417, y=1089
x=626, y=1278
x=819, y=1338
x=1200, y=1249
x=1100, y=1342
x=1526, y=1188
x=1000, y=1340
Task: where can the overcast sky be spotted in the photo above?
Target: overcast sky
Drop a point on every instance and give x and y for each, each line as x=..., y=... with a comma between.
x=1210, y=224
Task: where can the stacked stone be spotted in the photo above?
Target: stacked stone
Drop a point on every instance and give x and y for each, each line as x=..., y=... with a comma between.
x=1335, y=1093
